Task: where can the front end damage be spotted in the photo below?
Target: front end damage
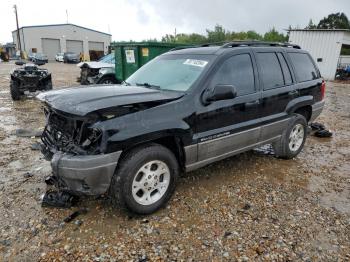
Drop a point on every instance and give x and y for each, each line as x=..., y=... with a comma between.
x=82, y=128
x=75, y=150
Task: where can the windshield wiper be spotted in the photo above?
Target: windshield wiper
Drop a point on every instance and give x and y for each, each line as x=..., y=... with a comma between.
x=148, y=85
x=126, y=83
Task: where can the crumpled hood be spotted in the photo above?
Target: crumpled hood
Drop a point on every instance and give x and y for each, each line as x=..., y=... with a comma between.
x=84, y=100
x=95, y=65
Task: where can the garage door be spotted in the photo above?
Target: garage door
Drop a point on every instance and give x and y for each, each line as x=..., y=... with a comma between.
x=95, y=50
x=50, y=47
x=97, y=46
x=74, y=46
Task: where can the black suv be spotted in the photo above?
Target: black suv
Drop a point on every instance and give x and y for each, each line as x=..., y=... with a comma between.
x=183, y=110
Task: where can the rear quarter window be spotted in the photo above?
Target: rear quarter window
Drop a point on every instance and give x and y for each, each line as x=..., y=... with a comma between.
x=304, y=68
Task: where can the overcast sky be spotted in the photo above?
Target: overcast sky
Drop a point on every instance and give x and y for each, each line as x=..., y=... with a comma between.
x=144, y=19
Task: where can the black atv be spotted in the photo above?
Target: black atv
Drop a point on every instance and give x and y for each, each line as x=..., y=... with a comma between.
x=29, y=78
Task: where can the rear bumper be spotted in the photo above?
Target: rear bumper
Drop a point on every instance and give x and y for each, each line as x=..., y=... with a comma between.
x=316, y=110
x=87, y=175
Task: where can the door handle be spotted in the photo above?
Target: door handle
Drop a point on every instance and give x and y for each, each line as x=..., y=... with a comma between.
x=252, y=103
x=293, y=93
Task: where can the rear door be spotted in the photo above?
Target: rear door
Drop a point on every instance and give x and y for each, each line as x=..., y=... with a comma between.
x=224, y=127
x=307, y=75
x=278, y=90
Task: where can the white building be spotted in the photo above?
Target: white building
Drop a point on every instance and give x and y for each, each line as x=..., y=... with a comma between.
x=53, y=39
x=324, y=45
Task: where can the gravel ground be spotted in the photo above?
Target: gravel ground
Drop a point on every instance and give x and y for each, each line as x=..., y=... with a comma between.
x=249, y=207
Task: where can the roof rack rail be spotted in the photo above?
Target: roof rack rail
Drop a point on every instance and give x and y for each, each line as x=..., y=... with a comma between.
x=259, y=43
x=182, y=47
x=196, y=46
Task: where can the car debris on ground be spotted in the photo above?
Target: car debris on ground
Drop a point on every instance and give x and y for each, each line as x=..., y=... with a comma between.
x=319, y=130
x=22, y=132
x=60, y=199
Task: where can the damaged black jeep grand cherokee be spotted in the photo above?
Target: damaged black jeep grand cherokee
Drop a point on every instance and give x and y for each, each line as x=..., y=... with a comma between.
x=181, y=111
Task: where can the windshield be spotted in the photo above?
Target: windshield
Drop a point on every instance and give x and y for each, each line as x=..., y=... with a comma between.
x=172, y=72
x=107, y=59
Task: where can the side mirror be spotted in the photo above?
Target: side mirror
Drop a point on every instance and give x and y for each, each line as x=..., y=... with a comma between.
x=220, y=92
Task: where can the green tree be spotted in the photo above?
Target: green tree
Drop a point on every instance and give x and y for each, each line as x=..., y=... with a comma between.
x=168, y=38
x=274, y=36
x=218, y=35
x=191, y=38
x=334, y=21
x=311, y=25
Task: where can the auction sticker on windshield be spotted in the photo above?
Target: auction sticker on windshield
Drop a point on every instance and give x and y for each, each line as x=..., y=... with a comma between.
x=194, y=62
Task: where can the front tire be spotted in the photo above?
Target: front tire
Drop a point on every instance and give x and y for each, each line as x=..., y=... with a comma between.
x=15, y=93
x=145, y=179
x=293, y=138
x=109, y=80
x=48, y=86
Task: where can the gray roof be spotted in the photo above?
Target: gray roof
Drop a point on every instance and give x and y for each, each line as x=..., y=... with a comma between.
x=62, y=25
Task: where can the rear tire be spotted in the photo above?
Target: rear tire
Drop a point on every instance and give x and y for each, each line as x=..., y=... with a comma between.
x=15, y=93
x=145, y=179
x=293, y=138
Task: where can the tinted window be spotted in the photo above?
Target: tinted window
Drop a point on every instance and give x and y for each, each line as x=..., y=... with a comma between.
x=237, y=71
x=304, y=68
x=271, y=71
x=285, y=69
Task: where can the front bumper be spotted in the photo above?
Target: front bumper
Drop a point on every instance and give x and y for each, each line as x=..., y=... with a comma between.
x=84, y=174
x=316, y=110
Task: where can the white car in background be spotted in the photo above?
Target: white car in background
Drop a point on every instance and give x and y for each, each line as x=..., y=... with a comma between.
x=59, y=57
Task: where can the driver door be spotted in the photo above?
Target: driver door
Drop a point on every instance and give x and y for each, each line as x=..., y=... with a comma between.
x=226, y=127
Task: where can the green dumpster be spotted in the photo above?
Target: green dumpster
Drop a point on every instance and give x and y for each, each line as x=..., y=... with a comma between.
x=131, y=56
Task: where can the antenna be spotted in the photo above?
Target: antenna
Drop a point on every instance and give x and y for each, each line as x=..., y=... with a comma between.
x=67, y=15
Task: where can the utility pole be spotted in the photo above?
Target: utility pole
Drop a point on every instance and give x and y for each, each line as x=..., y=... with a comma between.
x=67, y=15
x=175, y=35
x=19, y=46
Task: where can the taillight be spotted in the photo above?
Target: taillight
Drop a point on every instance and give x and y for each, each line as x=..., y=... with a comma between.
x=323, y=89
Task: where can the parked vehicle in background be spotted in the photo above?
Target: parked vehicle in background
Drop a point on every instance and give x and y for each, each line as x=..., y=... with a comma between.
x=70, y=57
x=99, y=72
x=39, y=59
x=31, y=56
x=181, y=111
x=29, y=78
x=59, y=57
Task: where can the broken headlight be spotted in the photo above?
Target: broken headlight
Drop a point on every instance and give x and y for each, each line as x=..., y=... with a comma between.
x=93, y=137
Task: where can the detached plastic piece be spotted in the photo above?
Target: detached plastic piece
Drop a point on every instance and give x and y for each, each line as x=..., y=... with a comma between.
x=323, y=133
x=58, y=199
x=320, y=130
x=75, y=214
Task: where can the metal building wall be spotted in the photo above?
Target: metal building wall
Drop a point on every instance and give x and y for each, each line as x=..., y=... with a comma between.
x=325, y=45
x=31, y=37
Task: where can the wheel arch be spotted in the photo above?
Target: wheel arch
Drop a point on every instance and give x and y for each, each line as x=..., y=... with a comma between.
x=172, y=142
x=301, y=106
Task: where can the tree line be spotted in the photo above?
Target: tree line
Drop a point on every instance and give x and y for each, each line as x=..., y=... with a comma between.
x=219, y=34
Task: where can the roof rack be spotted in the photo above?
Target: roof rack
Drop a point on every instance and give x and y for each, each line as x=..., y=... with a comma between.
x=196, y=46
x=259, y=43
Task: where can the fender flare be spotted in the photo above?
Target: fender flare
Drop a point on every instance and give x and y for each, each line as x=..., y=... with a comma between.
x=299, y=102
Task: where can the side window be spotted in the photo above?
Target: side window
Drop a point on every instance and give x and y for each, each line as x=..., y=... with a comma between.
x=237, y=71
x=286, y=71
x=271, y=71
x=304, y=68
